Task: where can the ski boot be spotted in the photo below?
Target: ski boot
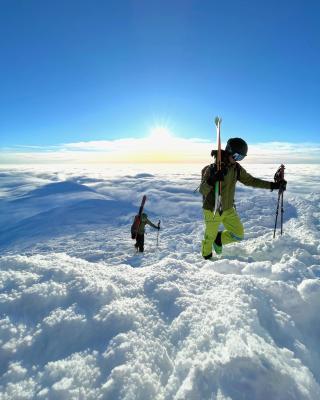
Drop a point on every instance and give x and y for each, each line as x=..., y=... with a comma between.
x=217, y=244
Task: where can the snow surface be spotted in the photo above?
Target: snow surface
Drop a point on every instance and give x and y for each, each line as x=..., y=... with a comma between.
x=82, y=316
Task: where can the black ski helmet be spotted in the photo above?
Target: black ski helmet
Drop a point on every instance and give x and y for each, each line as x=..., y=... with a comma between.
x=237, y=145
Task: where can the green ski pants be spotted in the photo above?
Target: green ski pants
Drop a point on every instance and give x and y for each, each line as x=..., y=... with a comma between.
x=233, y=228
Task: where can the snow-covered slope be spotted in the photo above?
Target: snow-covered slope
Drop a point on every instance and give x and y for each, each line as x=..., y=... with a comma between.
x=84, y=317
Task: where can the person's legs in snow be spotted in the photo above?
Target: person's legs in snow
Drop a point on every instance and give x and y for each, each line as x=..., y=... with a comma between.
x=212, y=222
x=140, y=242
x=234, y=231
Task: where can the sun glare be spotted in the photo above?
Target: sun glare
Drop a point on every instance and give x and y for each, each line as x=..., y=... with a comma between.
x=160, y=145
x=160, y=133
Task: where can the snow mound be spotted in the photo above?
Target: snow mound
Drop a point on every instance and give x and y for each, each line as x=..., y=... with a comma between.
x=169, y=331
x=310, y=291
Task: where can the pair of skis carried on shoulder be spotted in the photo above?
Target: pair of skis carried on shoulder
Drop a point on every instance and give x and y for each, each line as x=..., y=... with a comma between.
x=137, y=219
x=218, y=184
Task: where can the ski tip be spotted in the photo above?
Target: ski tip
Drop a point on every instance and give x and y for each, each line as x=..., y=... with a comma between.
x=217, y=120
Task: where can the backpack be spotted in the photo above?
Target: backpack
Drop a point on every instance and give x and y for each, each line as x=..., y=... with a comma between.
x=135, y=226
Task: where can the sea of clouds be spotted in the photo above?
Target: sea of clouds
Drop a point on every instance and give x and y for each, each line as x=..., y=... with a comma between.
x=82, y=316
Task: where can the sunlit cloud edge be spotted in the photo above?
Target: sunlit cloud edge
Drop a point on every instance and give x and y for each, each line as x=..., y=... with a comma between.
x=155, y=149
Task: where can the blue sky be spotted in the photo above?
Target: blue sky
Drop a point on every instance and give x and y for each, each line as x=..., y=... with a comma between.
x=80, y=71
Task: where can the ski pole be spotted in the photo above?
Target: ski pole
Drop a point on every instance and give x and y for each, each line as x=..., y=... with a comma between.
x=280, y=200
x=279, y=177
x=277, y=212
x=282, y=211
x=158, y=233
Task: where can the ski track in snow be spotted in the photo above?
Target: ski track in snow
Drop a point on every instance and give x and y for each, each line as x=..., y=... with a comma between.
x=82, y=316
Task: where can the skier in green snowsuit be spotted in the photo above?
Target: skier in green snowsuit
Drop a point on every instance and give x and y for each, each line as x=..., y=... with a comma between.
x=230, y=173
x=140, y=234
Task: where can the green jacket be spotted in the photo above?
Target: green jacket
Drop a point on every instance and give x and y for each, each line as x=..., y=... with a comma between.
x=234, y=172
x=145, y=221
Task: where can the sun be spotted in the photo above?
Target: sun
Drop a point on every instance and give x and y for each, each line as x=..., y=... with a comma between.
x=160, y=145
x=160, y=133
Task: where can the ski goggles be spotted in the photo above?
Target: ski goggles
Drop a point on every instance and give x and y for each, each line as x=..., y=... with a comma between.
x=238, y=156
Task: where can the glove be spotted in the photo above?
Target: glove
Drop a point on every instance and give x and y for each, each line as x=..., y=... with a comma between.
x=279, y=185
x=217, y=177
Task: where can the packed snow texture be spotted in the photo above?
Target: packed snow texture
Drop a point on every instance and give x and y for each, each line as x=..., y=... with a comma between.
x=82, y=316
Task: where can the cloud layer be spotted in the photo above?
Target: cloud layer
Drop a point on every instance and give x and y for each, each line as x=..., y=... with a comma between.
x=159, y=147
